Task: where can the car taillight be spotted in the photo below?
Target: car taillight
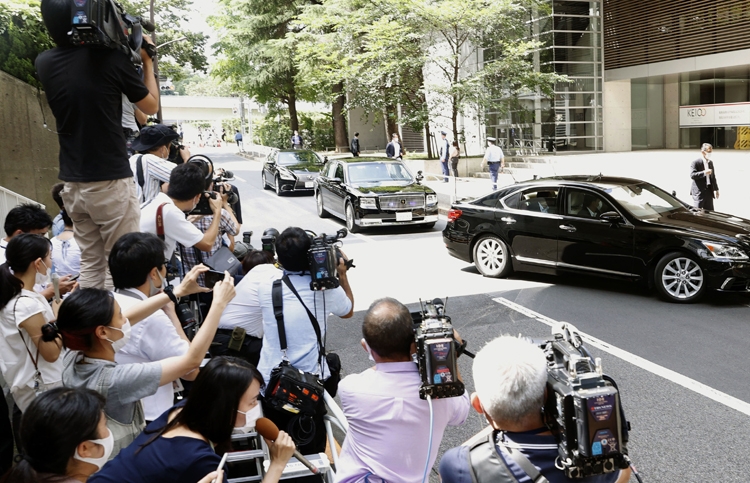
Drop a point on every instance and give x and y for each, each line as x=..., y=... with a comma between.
x=454, y=215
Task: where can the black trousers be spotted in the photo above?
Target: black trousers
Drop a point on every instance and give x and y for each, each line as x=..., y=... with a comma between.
x=6, y=437
x=250, y=350
x=704, y=201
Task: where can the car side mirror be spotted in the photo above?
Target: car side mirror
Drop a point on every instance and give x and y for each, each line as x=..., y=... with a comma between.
x=611, y=217
x=420, y=176
x=337, y=180
x=325, y=159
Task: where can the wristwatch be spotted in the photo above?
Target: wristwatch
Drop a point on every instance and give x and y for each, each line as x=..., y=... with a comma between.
x=170, y=294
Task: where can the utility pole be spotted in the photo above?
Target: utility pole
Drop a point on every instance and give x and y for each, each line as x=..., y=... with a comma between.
x=156, y=62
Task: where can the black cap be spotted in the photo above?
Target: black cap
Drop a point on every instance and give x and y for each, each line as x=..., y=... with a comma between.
x=154, y=136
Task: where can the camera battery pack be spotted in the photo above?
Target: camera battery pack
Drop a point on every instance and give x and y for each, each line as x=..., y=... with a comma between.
x=440, y=369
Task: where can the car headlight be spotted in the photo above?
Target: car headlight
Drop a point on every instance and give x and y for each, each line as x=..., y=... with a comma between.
x=719, y=250
x=431, y=199
x=368, y=203
x=284, y=174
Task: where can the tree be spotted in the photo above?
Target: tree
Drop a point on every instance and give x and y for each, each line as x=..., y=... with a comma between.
x=22, y=37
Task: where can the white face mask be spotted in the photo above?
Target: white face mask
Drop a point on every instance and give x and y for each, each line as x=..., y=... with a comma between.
x=42, y=279
x=708, y=156
x=251, y=417
x=108, y=443
x=153, y=289
x=120, y=343
x=369, y=351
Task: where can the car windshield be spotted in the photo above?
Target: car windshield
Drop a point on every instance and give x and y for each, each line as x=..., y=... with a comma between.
x=360, y=173
x=298, y=157
x=644, y=200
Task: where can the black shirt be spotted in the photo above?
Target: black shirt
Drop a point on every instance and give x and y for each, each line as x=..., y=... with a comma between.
x=84, y=88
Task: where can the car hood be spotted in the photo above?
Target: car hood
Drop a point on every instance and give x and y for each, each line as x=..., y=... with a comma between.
x=303, y=167
x=391, y=187
x=711, y=224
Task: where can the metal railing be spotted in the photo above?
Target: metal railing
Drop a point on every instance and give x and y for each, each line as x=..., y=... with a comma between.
x=10, y=199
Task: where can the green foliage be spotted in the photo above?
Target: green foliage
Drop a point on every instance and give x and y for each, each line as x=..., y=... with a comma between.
x=273, y=130
x=22, y=38
x=195, y=84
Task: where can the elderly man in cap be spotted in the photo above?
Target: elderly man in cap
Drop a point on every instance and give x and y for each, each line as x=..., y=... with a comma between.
x=495, y=159
x=152, y=166
x=444, y=155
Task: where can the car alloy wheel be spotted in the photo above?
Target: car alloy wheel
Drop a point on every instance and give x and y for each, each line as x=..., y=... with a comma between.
x=679, y=278
x=350, y=224
x=491, y=257
x=278, y=186
x=322, y=213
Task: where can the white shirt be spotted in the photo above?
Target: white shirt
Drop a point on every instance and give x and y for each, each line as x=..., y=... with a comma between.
x=66, y=256
x=302, y=345
x=493, y=154
x=128, y=114
x=155, y=171
x=176, y=227
x=15, y=363
x=244, y=309
x=152, y=339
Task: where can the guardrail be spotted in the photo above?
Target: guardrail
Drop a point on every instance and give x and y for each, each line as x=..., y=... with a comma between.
x=256, y=150
x=10, y=199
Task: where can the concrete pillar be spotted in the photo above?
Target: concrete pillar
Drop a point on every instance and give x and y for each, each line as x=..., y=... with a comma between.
x=616, y=116
x=672, y=111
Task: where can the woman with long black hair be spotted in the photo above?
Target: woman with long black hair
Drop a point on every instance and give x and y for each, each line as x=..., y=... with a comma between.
x=187, y=441
x=64, y=437
x=30, y=361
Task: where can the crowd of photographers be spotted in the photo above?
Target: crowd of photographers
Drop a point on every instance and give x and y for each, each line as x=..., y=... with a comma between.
x=107, y=372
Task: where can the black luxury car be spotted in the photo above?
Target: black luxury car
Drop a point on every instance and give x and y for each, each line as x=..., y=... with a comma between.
x=374, y=192
x=608, y=226
x=289, y=170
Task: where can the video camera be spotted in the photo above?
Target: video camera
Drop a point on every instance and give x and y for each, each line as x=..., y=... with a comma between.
x=583, y=408
x=218, y=178
x=324, y=255
x=437, y=352
x=104, y=23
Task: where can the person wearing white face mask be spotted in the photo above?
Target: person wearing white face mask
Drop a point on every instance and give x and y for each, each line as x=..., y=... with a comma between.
x=187, y=441
x=30, y=362
x=138, y=270
x=64, y=438
x=94, y=328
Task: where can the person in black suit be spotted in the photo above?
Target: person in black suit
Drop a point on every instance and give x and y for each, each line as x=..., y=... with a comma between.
x=394, y=149
x=704, y=187
x=354, y=146
x=591, y=207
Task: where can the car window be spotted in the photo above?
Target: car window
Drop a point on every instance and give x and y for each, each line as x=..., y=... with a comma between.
x=329, y=169
x=298, y=157
x=644, y=200
x=374, y=172
x=339, y=173
x=539, y=200
x=585, y=204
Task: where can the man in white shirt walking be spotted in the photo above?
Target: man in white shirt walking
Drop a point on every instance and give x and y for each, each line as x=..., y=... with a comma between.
x=495, y=159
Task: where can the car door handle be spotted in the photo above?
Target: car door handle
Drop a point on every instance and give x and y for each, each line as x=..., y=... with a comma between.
x=569, y=228
x=508, y=220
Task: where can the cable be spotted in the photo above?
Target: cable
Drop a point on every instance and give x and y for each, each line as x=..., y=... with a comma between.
x=429, y=445
x=632, y=468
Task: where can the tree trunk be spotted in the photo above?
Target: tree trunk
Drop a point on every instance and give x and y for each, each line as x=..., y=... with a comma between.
x=293, y=120
x=339, y=120
x=391, y=121
x=428, y=140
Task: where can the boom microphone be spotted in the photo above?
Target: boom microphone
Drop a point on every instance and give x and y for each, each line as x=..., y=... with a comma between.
x=266, y=428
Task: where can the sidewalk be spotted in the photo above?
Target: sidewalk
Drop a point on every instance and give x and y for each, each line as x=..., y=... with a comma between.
x=667, y=169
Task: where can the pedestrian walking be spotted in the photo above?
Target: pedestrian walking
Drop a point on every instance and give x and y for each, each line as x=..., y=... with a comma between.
x=455, y=154
x=495, y=159
x=444, y=155
x=354, y=145
x=296, y=140
x=238, y=140
x=394, y=149
x=704, y=187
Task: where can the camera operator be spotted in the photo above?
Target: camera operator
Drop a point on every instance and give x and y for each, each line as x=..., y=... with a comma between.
x=152, y=167
x=389, y=425
x=186, y=185
x=240, y=331
x=510, y=377
x=84, y=87
x=303, y=351
x=138, y=272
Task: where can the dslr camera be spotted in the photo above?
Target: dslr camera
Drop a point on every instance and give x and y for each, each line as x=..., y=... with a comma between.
x=104, y=23
x=583, y=408
x=324, y=255
x=437, y=352
x=215, y=177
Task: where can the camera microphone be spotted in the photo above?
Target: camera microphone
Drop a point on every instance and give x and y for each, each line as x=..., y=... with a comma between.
x=266, y=428
x=146, y=24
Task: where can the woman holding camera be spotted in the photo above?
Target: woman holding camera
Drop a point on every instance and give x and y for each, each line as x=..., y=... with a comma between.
x=94, y=328
x=30, y=362
x=182, y=445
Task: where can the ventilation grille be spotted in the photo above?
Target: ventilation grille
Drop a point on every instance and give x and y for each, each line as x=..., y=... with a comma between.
x=644, y=32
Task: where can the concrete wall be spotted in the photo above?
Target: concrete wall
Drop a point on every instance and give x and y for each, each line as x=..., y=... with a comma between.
x=29, y=152
x=372, y=135
x=672, y=111
x=616, y=116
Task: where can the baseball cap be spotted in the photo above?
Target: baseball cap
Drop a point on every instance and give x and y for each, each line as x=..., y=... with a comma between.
x=491, y=139
x=153, y=136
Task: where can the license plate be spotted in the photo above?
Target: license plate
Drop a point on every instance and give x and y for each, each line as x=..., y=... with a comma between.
x=309, y=184
x=403, y=216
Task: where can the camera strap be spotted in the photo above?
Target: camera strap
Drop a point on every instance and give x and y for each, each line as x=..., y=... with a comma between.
x=488, y=466
x=139, y=174
x=160, y=222
x=278, y=311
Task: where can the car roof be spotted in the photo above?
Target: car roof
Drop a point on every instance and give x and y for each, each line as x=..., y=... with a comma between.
x=371, y=159
x=598, y=181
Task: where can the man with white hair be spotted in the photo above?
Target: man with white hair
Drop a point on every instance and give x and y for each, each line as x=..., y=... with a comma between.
x=510, y=378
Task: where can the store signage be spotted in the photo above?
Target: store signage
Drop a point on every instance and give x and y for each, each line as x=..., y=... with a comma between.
x=737, y=114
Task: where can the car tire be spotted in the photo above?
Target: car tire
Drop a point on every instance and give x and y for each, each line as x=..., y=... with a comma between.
x=492, y=257
x=679, y=278
x=322, y=213
x=278, y=186
x=350, y=221
x=265, y=181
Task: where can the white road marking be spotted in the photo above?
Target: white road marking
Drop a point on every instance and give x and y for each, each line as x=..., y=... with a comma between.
x=670, y=375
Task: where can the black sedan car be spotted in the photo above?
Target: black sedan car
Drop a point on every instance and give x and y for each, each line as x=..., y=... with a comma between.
x=289, y=170
x=374, y=192
x=615, y=227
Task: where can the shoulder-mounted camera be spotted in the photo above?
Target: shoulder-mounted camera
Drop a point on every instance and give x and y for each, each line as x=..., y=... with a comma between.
x=324, y=255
